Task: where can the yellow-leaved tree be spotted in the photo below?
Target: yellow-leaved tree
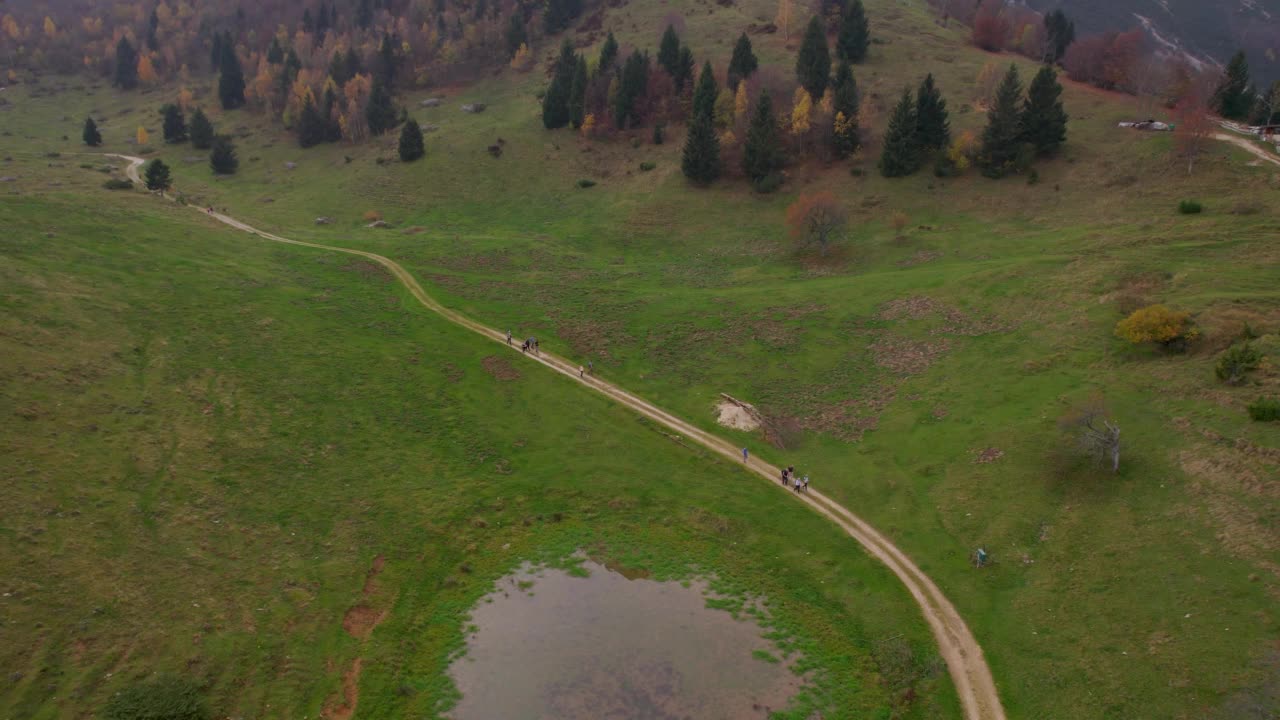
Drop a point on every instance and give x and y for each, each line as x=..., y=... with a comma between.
x=142, y=135
x=740, y=104
x=800, y=113
x=1171, y=329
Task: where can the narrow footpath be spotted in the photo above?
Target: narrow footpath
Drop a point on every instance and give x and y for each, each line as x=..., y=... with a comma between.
x=964, y=658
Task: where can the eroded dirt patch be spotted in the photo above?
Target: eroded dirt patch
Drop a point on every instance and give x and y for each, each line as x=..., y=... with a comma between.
x=368, y=270
x=343, y=707
x=360, y=620
x=736, y=414
x=907, y=357
x=500, y=369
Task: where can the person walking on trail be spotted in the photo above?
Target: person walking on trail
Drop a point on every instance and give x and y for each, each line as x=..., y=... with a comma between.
x=745, y=453
x=581, y=370
x=784, y=477
x=806, y=483
x=797, y=484
x=591, y=368
x=524, y=346
x=508, y=337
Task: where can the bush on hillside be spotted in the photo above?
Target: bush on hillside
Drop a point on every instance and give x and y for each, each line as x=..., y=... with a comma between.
x=1170, y=329
x=1238, y=360
x=647, y=166
x=585, y=183
x=163, y=698
x=372, y=216
x=117, y=184
x=767, y=184
x=1265, y=410
x=1190, y=207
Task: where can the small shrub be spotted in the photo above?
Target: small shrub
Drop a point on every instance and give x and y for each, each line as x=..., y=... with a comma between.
x=372, y=216
x=1238, y=360
x=1265, y=410
x=647, y=166
x=117, y=184
x=1190, y=207
x=855, y=171
x=635, y=142
x=163, y=698
x=1033, y=177
x=659, y=133
x=767, y=184
x=585, y=183
x=1171, y=329
x=899, y=220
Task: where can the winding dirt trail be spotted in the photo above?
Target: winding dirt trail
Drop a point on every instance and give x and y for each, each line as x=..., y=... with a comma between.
x=964, y=658
x=1247, y=146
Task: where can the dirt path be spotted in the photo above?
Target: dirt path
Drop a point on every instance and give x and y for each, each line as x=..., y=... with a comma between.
x=1248, y=146
x=963, y=655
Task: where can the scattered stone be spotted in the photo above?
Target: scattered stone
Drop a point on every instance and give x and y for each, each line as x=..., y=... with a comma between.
x=474, y=107
x=987, y=455
x=268, y=200
x=191, y=159
x=324, y=221
x=290, y=165
x=379, y=224
x=429, y=128
x=431, y=102
x=8, y=178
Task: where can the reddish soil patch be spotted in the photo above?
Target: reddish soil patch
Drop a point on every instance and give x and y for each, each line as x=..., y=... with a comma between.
x=369, y=579
x=921, y=257
x=907, y=357
x=360, y=621
x=343, y=707
x=954, y=320
x=500, y=369
x=850, y=419
x=453, y=373
x=368, y=270
x=989, y=455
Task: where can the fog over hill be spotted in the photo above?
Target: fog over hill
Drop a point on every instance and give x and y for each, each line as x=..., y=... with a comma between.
x=1210, y=29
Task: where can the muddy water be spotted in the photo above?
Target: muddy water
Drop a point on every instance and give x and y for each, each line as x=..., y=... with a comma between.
x=606, y=647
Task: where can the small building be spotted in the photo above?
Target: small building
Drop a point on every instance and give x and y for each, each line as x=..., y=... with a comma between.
x=1269, y=132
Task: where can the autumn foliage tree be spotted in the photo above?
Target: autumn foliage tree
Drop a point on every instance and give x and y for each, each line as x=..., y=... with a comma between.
x=1159, y=325
x=1193, y=128
x=816, y=218
x=991, y=26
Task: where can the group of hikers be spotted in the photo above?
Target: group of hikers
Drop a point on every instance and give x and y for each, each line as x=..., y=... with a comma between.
x=790, y=478
x=532, y=344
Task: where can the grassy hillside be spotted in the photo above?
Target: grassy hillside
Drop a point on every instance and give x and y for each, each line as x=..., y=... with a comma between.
x=231, y=461
x=897, y=366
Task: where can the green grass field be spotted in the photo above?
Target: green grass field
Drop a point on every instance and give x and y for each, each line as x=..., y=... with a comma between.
x=897, y=363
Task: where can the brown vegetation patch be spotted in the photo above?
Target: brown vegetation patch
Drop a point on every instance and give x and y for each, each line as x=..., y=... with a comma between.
x=342, y=707
x=453, y=373
x=495, y=262
x=850, y=419
x=371, y=577
x=987, y=455
x=921, y=257
x=500, y=369
x=910, y=308
x=591, y=338
x=360, y=620
x=368, y=270
x=907, y=357
x=954, y=320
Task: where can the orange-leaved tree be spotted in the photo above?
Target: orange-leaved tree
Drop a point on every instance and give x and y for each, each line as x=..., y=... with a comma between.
x=816, y=217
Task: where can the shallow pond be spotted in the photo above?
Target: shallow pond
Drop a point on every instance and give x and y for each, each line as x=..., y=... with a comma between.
x=549, y=645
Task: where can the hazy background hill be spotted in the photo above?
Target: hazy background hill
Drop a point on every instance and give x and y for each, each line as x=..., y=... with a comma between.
x=1205, y=28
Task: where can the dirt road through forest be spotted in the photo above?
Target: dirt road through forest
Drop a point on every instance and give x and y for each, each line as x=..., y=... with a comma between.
x=964, y=658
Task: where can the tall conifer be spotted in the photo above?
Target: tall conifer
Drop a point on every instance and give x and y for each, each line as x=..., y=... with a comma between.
x=901, y=155
x=1003, y=134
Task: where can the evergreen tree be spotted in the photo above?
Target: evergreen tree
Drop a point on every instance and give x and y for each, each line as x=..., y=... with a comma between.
x=222, y=157
x=91, y=136
x=157, y=176
x=231, y=77
x=516, y=34
x=411, y=147
x=743, y=63
x=933, y=129
x=311, y=125
x=353, y=65
x=1044, y=122
x=901, y=156
x=762, y=153
x=1233, y=99
x=1003, y=134
x=578, y=93
x=854, y=36
x=380, y=113
x=364, y=14
x=704, y=95
x=608, y=53
x=215, y=53
x=126, y=65
x=844, y=108
x=322, y=20
x=275, y=53
x=631, y=87
x=386, y=62
x=332, y=128
x=700, y=161
x=338, y=68
x=669, y=51
x=560, y=14
x=555, y=103
x=153, y=24
x=201, y=131
x=1060, y=32
x=175, y=125
x=813, y=64
x=684, y=68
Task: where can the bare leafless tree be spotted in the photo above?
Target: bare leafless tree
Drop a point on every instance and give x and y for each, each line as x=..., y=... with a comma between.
x=1095, y=432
